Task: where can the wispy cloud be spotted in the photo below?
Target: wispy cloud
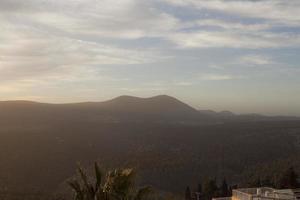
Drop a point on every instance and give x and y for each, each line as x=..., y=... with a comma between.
x=217, y=77
x=277, y=10
x=250, y=28
x=143, y=89
x=228, y=25
x=255, y=60
x=104, y=48
x=227, y=39
x=184, y=83
x=27, y=52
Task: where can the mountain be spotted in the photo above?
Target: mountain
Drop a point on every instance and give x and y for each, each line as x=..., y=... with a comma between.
x=166, y=140
x=162, y=104
x=160, y=109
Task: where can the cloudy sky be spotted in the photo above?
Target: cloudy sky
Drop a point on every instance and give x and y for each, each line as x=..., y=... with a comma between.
x=238, y=55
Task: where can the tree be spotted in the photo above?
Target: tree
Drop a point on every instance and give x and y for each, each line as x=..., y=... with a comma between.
x=118, y=185
x=188, y=194
x=254, y=182
x=199, y=189
x=267, y=182
x=224, y=189
x=210, y=189
x=289, y=179
x=84, y=189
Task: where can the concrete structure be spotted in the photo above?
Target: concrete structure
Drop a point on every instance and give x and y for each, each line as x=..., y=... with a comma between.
x=263, y=193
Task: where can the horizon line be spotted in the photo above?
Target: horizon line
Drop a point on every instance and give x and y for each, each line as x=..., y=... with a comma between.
x=150, y=97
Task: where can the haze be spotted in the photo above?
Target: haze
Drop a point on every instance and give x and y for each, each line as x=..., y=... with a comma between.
x=237, y=55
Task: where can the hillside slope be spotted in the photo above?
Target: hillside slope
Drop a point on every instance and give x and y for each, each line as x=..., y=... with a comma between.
x=40, y=144
x=162, y=109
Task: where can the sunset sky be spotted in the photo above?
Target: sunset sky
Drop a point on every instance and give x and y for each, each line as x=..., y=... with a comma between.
x=237, y=55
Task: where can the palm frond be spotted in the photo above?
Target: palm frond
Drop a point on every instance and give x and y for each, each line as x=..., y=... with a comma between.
x=77, y=189
x=143, y=192
x=98, y=174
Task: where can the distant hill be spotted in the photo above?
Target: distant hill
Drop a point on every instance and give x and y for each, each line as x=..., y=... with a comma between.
x=162, y=104
x=165, y=139
x=161, y=108
x=158, y=109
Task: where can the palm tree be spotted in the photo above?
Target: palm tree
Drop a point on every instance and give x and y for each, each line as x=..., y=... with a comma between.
x=84, y=189
x=118, y=185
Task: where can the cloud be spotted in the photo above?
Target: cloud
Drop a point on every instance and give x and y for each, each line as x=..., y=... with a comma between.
x=184, y=83
x=121, y=19
x=285, y=12
x=217, y=77
x=27, y=52
x=52, y=42
x=227, y=39
x=104, y=20
x=252, y=26
x=143, y=89
x=228, y=25
x=255, y=60
x=72, y=40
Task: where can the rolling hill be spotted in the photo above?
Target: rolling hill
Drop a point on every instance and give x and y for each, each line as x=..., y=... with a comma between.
x=164, y=109
x=166, y=140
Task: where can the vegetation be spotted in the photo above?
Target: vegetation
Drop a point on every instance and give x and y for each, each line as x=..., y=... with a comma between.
x=280, y=179
x=289, y=179
x=224, y=189
x=283, y=179
x=39, y=151
x=209, y=190
x=118, y=184
x=188, y=194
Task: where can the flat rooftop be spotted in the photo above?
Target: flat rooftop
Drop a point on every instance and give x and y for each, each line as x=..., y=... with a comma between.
x=262, y=193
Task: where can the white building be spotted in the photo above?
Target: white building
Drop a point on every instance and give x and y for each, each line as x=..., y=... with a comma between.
x=263, y=193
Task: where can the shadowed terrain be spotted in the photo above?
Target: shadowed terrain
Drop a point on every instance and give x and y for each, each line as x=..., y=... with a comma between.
x=166, y=140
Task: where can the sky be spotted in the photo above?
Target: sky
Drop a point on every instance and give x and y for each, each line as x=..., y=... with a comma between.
x=237, y=55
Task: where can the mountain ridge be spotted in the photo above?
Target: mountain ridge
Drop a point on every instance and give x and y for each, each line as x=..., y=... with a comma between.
x=159, y=104
x=41, y=143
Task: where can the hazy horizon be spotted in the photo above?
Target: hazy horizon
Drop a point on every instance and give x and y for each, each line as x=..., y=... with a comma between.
x=148, y=97
x=241, y=56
